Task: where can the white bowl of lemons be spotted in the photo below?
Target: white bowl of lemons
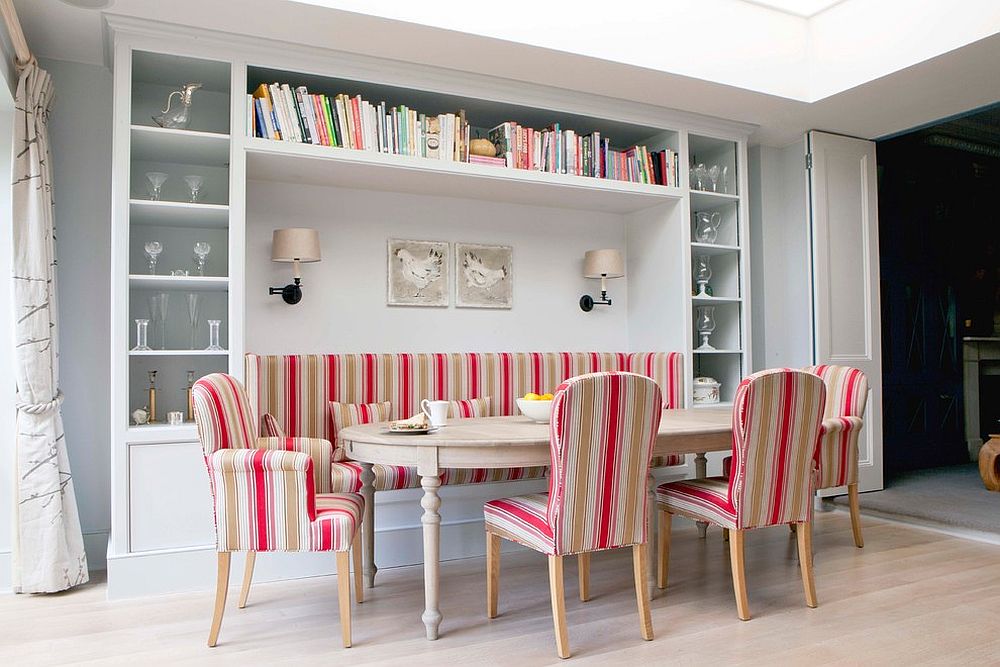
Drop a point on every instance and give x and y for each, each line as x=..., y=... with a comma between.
x=536, y=407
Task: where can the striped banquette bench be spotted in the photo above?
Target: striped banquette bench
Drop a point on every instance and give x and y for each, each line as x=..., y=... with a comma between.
x=292, y=394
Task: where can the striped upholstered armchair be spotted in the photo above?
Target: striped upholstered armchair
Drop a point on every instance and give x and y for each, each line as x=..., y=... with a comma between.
x=776, y=425
x=602, y=433
x=265, y=496
x=843, y=418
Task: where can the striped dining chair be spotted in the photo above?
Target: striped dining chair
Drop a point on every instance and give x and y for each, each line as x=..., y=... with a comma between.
x=776, y=422
x=264, y=495
x=601, y=438
x=843, y=418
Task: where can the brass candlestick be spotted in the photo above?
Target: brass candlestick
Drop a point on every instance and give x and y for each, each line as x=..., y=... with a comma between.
x=187, y=395
x=152, y=398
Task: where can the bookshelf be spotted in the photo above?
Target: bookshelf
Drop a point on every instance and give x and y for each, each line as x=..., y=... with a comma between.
x=150, y=61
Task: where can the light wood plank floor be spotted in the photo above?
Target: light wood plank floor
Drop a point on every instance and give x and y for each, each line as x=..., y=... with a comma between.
x=910, y=596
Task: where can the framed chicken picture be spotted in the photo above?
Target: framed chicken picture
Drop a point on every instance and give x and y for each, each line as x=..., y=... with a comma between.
x=484, y=276
x=418, y=273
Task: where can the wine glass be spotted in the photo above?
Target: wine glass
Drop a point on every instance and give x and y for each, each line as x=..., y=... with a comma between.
x=702, y=273
x=156, y=180
x=201, y=250
x=705, y=324
x=194, y=315
x=194, y=183
x=706, y=228
x=153, y=250
x=713, y=175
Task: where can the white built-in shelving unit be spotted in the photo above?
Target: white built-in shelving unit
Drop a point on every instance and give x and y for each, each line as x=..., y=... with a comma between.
x=161, y=523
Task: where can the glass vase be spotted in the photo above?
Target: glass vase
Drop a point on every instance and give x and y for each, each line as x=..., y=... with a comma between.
x=213, y=336
x=141, y=336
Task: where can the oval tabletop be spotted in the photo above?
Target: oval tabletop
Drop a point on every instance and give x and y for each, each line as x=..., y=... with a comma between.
x=518, y=441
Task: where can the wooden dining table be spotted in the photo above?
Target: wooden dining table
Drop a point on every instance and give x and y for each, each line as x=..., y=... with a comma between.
x=498, y=442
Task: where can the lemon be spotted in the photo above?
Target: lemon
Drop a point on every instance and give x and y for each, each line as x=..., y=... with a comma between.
x=531, y=396
x=547, y=397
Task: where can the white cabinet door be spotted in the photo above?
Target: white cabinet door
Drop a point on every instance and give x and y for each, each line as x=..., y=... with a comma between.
x=170, y=505
x=843, y=202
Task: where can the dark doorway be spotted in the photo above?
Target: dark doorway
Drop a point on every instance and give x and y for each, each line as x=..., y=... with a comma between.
x=939, y=231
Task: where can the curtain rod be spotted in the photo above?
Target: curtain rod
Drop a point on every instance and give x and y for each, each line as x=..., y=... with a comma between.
x=22, y=54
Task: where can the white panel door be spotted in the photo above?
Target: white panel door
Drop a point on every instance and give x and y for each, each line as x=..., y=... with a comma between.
x=843, y=203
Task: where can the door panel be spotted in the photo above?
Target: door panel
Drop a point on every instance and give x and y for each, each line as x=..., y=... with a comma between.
x=843, y=203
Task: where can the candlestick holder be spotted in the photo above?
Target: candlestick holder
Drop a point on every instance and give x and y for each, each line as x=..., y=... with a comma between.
x=152, y=398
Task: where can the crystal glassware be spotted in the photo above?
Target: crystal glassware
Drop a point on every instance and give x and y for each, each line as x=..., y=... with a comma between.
x=213, y=336
x=177, y=117
x=201, y=250
x=194, y=183
x=156, y=180
x=706, y=227
x=141, y=336
x=725, y=180
x=713, y=175
x=194, y=315
x=705, y=325
x=158, y=314
x=153, y=250
x=699, y=177
x=702, y=273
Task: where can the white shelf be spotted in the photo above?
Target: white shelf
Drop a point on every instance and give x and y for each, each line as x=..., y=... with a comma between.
x=697, y=351
x=178, y=214
x=708, y=406
x=714, y=248
x=161, y=433
x=287, y=162
x=705, y=300
x=189, y=283
x=178, y=353
x=702, y=200
x=189, y=147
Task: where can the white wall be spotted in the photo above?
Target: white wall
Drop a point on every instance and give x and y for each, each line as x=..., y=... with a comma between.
x=344, y=304
x=780, y=257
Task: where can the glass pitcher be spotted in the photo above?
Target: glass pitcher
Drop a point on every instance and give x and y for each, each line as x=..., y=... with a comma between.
x=706, y=228
x=179, y=116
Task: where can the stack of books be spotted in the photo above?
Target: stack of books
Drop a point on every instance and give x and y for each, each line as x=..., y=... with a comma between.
x=559, y=151
x=283, y=114
x=279, y=112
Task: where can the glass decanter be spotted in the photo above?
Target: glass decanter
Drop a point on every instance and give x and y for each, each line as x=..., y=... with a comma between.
x=153, y=250
x=213, y=336
x=201, y=251
x=179, y=116
x=705, y=325
x=706, y=228
x=702, y=273
x=141, y=336
x=156, y=180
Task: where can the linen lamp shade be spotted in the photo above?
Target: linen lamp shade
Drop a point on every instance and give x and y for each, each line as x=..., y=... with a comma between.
x=603, y=264
x=295, y=244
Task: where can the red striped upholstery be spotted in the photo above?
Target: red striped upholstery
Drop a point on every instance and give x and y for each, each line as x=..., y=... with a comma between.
x=469, y=408
x=602, y=434
x=843, y=418
x=776, y=422
x=264, y=489
x=296, y=390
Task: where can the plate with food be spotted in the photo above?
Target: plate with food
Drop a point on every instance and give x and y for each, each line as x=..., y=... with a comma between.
x=416, y=425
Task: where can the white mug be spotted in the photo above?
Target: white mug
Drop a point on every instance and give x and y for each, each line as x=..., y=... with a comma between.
x=436, y=411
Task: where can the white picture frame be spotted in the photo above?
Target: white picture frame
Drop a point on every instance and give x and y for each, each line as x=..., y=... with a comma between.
x=484, y=276
x=417, y=273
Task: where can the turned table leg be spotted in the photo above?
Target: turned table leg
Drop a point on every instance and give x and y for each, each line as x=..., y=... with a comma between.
x=368, y=523
x=701, y=472
x=651, y=525
x=431, y=520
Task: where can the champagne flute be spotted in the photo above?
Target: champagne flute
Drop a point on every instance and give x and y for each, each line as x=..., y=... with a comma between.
x=194, y=315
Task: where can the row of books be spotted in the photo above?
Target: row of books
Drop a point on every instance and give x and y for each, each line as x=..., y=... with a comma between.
x=279, y=112
x=283, y=114
x=559, y=151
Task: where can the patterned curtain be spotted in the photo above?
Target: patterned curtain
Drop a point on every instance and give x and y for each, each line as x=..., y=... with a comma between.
x=48, y=552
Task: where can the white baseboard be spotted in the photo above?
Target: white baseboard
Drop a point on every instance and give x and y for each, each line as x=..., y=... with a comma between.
x=952, y=531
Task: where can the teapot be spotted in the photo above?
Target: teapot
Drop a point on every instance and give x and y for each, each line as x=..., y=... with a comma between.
x=180, y=116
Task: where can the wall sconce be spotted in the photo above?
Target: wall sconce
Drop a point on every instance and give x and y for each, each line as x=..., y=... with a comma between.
x=295, y=245
x=601, y=264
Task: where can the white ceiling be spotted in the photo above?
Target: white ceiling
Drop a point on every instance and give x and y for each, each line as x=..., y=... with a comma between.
x=803, y=8
x=948, y=81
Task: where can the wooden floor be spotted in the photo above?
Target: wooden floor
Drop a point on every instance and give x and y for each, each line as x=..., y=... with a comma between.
x=910, y=596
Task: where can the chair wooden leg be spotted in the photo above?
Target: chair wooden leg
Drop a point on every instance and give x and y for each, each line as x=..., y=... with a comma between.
x=247, y=578
x=583, y=571
x=725, y=534
x=558, y=605
x=344, y=595
x=639, y=566
x=791, y=528
x=804, y=535
x=359, y=589
x=663, y=548
x=221, y=589
x=852, y=496
x=739, y=573
x=492, y=574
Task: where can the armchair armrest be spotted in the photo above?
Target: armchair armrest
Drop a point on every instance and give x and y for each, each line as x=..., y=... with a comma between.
x=840, y=424
x=264, y=500
x=319, y=450
x=837, y=451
